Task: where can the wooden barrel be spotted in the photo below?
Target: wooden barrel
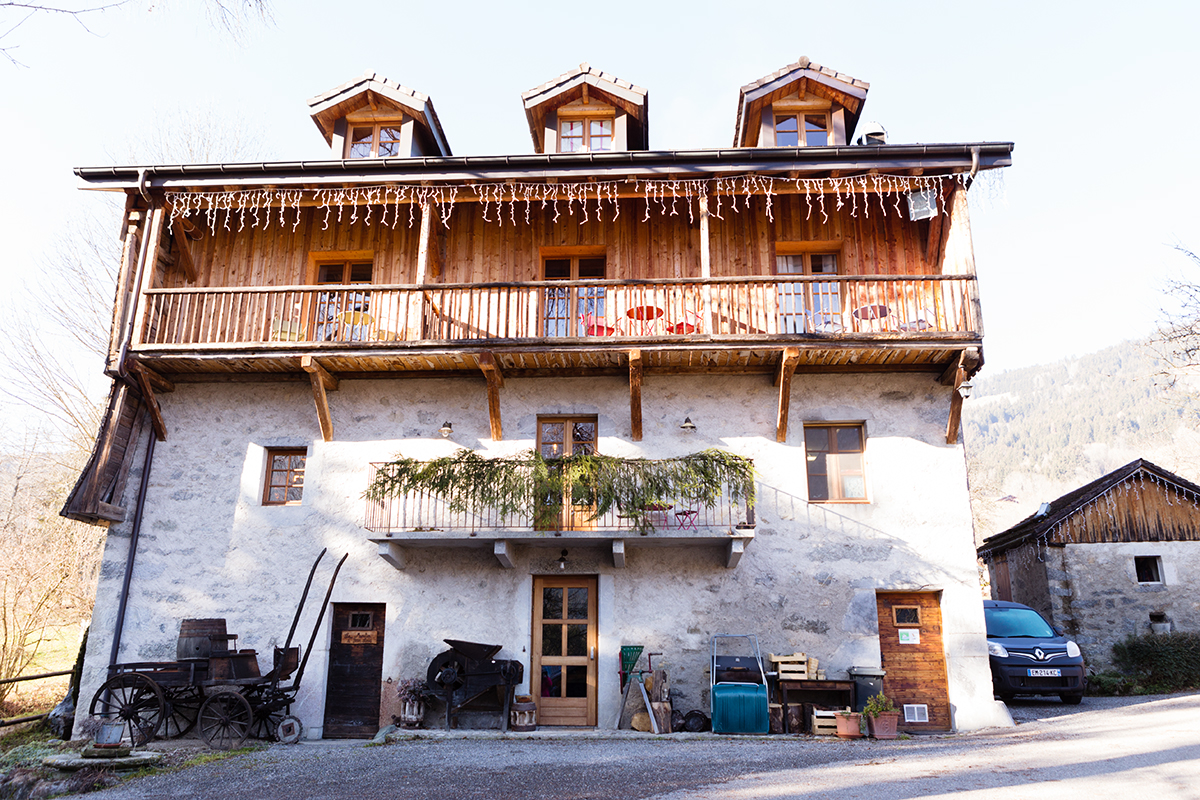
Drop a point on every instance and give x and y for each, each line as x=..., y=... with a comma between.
x=522, y=717
x=195, y=637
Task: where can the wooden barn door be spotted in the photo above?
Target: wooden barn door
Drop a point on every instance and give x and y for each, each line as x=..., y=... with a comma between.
x=355, y=671
x=564, y=649
x=910, y=643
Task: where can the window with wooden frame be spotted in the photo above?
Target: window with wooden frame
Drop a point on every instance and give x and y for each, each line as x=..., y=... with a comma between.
x=906, y=615
x=343, y=315
x=811, y=306
x=378, y=140
x=284, y=484
x=585, y=135
x=361, y=621
x=810, y=129
x=574, y=310
x=559, y=437
x=1148, y=569
x=834, y=461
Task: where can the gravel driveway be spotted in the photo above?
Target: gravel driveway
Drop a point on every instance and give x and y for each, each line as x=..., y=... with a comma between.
x=1135, y=747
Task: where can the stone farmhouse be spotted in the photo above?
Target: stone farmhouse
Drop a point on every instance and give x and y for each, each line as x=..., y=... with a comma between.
x=804, y=297
x=1115, y=557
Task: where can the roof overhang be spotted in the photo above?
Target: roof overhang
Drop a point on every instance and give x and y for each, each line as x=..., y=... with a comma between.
x=370, y=89
x=923, y=159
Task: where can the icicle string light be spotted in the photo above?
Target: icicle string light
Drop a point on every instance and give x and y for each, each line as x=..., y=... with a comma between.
x=386, y=203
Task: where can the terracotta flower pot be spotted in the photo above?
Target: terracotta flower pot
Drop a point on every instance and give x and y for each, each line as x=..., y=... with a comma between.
x=884, y=726
x=849, y=726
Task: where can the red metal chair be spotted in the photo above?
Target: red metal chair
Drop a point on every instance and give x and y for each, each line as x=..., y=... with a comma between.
x=596, y=326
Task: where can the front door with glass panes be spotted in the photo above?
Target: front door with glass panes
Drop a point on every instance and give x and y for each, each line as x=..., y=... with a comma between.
x=811, y=305
x=559, y=437
x=574, y=310
x=564, y=649
x=343, y=315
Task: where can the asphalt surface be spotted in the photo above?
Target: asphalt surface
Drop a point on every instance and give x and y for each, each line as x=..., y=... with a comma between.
x=1106, y=747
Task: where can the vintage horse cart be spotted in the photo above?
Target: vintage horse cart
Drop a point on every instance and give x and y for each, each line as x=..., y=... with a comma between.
x=217, y=688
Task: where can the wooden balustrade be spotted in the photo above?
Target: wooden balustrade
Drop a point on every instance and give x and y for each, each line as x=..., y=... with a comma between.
x=539, y=310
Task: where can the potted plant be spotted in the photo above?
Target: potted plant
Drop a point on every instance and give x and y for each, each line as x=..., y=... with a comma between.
x=882, y=717
x=411, y=692
x=849, y=724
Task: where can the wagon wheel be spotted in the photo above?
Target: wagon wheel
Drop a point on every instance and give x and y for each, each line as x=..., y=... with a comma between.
x=225, y=719
x=270, y=707
x=265, y=723
x=183, y=707
x=133, y=699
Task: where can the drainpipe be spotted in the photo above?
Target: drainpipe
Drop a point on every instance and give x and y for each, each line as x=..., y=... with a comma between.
x=133, y=540
x=974, y=166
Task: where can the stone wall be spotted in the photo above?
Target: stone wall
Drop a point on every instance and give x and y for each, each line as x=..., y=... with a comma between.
x=1106, y=603
x=209, y=548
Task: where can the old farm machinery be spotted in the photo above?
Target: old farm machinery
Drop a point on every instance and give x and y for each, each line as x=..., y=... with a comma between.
x=212, y=687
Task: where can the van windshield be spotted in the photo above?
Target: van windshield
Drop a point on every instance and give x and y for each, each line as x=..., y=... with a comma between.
x=1016, y=623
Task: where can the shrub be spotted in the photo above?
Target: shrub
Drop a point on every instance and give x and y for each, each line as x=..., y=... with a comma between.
x=1160, y=663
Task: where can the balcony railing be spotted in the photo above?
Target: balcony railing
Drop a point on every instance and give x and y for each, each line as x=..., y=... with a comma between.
x=421, y=511
x=564, y=310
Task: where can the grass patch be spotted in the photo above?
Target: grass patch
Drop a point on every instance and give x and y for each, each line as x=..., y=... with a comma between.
x=37, y=732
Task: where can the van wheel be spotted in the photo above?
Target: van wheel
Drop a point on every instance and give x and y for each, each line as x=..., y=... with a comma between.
x=1071, y=699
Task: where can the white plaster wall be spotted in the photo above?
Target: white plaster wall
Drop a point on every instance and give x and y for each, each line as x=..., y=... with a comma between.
x=1102, y=601
x=806, y=583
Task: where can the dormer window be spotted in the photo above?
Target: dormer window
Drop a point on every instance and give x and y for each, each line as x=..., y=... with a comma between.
x=585, y=135
x=381, y=140
x=801, y=130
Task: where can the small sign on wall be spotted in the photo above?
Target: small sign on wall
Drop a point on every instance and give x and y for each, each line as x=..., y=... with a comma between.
x=909, y=635
x=358, y=637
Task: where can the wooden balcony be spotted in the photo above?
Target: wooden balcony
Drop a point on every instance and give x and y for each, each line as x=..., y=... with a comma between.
x=849, y=322
x=421, y=520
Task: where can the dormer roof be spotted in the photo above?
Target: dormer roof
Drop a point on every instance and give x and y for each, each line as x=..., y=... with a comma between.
x=591, y=84
x=803, y=78
x=371, y=90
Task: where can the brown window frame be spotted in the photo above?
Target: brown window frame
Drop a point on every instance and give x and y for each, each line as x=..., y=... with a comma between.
x=587, y=133
x=834, y=473
x=289, y=452
x=896, y=616
x=574, y=516
x=340, y=329
x=801, y=131
x=588, y=301
x=376, y=131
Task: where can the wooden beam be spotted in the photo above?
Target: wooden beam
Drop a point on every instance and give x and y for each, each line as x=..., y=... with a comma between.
x=783, y=379
x=956, y=401
x=495, y=381
x=967, y=360
x=321, y=381
x=635, y=395
x=156, y=417
x=157, y=381
x=185, y=255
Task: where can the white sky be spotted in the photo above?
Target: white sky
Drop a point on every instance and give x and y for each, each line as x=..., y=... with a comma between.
x=1100, y=99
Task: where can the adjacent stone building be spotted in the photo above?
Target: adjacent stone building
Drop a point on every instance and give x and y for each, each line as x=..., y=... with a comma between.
x=798, y=299
x=1116, y=557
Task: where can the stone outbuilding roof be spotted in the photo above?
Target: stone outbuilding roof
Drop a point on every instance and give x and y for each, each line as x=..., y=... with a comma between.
x=1043, y=524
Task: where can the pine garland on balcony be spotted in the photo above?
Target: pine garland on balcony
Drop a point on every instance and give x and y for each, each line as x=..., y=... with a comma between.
x=536, y=487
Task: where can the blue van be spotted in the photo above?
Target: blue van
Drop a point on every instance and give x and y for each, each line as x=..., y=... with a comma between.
x=1029, y=657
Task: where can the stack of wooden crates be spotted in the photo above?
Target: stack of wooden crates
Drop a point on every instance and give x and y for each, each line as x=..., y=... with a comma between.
x=800, y=667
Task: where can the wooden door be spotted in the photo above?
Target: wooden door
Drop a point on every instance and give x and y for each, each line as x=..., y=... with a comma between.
x=559, y=437
x=910, y=644
x=564, y=649
x=352, y=690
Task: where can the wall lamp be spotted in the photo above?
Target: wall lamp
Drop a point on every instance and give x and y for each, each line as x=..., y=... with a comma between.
x=964, y=389
x=688, y=426
x=446, y=430
x=562, y=560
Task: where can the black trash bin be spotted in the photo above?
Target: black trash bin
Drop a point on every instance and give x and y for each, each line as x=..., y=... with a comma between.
x=868, y=682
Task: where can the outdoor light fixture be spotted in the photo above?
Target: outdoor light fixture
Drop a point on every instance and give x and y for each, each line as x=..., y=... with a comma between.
x=445, y=430
x=562, y=560
x=964, y=389
x=688, y=425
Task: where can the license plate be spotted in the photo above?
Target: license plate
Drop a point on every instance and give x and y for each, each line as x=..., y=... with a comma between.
x=1045, y=673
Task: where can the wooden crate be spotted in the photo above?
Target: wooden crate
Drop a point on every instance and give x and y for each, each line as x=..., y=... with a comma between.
x=796, y=667
x=824, y=723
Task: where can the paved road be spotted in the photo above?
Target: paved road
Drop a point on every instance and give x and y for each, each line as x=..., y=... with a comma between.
x=1105, y=748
